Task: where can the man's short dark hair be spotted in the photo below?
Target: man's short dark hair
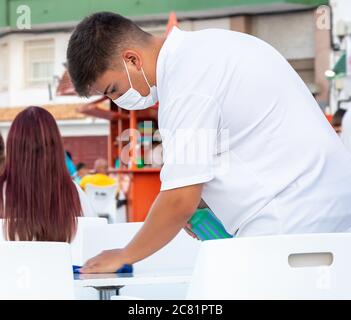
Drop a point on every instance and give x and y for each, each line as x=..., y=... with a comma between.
x=337, y=117
x=80, y=165
x=94, y=44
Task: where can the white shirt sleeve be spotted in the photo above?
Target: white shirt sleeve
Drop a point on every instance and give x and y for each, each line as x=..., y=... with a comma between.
x=87, y=209
x=189, y=127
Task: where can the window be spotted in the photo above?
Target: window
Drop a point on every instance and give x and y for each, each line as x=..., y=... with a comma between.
x=4, y=56
x=39, y=62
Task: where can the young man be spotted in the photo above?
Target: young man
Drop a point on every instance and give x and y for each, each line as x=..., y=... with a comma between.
x=229, y=114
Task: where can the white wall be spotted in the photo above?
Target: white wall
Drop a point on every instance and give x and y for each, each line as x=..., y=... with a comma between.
x=222, y=23
x=341, y=11
x=86, y=127
x=191, y=25
x=18, y=93
x=72, y=128
x=291, y=34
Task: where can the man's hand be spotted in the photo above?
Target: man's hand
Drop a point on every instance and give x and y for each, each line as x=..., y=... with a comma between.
x=108, y=261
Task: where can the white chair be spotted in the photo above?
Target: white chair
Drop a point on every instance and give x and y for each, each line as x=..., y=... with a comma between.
x=179, y=254
x=122, y=210
x=103, y=200
x=35, y=270
x=77, y=245
x=311, y=266
x=77, y=249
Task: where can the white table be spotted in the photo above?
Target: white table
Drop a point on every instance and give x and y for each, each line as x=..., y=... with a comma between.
x=108, y=284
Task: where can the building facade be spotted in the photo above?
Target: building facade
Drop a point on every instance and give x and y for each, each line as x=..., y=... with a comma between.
x=340, y=63
x=34, y=36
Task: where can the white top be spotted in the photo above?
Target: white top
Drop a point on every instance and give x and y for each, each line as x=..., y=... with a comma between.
x=269, y=160
x=87, y=209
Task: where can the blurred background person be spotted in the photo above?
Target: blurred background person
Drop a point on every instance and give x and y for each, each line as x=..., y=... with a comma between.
x=71, y=167
x=100, y=177
x=337, y=120
x=82, y=171
x=38, y=199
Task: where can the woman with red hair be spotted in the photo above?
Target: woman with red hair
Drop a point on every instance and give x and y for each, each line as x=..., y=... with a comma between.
x=39, y=201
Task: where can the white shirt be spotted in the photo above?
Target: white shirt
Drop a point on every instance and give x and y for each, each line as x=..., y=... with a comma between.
x=272, y=163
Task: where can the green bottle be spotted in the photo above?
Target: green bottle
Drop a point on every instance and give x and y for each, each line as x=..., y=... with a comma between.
x=206, y=226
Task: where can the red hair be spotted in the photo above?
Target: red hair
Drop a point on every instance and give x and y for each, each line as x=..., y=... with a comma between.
x=2, y=152
x=41, y=201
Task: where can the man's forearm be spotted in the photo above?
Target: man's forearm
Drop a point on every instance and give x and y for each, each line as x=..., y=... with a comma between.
x=166, y=218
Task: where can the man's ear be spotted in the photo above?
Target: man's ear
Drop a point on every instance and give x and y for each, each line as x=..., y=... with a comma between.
x=133, y=57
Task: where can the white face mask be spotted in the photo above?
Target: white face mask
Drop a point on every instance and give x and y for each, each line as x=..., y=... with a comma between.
x=133, y=100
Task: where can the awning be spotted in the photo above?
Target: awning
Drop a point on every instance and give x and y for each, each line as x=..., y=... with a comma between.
x=100, y=108
x=63, y=111
x=340, y=66
x=339, y=70
x=64, y=14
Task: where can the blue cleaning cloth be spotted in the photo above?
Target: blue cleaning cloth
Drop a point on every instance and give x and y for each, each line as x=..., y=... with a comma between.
x=127, y=268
